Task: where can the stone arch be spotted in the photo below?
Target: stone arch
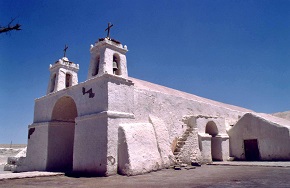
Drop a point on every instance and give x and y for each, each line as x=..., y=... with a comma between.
x=95, y=68
x=61, y=132
x=117, y=62
x=64, y=110
x=215, y=141
x=211, y=128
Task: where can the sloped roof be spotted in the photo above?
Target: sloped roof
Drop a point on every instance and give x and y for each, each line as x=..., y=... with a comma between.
x=284, y=115
x=141, y=84
x=273, y=119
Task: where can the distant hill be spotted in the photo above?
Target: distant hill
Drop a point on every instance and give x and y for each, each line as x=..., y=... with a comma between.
x=284, y=115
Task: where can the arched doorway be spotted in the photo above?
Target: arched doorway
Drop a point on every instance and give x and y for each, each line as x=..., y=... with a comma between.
x=216, y=141
x=61, y=135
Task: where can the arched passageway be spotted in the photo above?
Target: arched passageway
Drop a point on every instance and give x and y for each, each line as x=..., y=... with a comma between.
x=61, y=135
x=216, y=142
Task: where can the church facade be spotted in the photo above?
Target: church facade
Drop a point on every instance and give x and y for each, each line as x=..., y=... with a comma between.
x=113, y=123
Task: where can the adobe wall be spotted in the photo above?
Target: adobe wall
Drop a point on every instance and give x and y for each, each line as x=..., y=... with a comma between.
x=273, y=139
x=171, y=109
x=87, y=102
x=94, y=138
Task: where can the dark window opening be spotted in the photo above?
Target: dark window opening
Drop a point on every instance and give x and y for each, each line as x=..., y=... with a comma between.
x=67, y=80
x=53, y=83
x=96, y=66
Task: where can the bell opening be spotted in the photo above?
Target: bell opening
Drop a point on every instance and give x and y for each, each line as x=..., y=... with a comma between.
x=116, y=65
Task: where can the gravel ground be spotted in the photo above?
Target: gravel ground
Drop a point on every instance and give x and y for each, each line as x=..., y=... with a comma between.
x=212, y=176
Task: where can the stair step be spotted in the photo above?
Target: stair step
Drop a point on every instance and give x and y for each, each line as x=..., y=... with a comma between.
x=176, y=152
x=182, y=139
x=177, y=149
x=181, y=142
x=189, y=129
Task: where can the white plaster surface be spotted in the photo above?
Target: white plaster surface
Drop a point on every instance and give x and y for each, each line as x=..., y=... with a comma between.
x=173, y=105
x=284, y=115
x=22, y=153
x=140, y=153
x=36, y=156
x=163, y=142
x=205, y=147
x=271, y=132
x=90, y=145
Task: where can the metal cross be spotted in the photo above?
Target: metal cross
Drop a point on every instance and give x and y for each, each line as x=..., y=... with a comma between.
x=64, y=50
x=108, y=29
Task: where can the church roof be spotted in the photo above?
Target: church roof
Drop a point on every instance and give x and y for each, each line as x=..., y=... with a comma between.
x=273, y=119
x=141, y=84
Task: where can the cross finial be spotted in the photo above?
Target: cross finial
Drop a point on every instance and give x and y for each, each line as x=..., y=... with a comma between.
x=64, y=50
x=108, y=29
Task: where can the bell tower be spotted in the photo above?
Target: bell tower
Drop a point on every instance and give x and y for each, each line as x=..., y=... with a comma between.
x=63, y=74
x=108, y=57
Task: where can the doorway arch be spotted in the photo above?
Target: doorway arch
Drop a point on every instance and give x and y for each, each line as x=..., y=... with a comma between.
x=61, y=135
x=216, y=141
x=211, y=128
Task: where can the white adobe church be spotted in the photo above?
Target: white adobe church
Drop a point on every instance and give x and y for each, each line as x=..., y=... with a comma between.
x=113, y=123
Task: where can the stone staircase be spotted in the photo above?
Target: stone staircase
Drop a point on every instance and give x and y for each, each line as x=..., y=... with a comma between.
x=180, y=143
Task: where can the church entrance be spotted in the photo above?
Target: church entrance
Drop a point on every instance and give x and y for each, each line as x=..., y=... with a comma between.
x=251, y=150
x=61, y=135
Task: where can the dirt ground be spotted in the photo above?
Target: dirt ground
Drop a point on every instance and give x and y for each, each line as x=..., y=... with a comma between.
x=206, y=176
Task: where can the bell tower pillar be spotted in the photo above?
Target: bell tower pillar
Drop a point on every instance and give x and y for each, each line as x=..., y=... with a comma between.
x=108, y=57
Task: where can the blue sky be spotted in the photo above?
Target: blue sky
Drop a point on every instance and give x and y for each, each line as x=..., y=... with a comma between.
x=236, y=52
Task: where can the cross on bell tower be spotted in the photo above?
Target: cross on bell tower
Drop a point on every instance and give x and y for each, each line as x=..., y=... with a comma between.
x=64, y=50
x=108, y=29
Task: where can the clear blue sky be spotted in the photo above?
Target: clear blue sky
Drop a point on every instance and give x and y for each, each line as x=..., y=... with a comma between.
x=237, y=52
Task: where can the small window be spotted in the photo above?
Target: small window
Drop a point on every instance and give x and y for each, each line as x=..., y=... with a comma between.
x=52, y=84
x=67, y=80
